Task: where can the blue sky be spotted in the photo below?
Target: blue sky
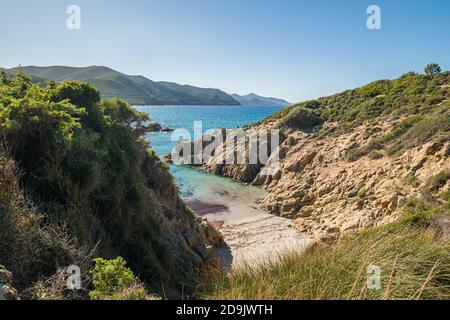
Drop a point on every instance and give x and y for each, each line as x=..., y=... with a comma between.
x=293, y=49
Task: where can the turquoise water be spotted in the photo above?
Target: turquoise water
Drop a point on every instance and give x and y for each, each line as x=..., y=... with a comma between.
x=195, y=183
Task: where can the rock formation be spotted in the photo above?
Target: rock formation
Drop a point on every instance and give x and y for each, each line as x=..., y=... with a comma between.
x=7, y=292
x=354, y=159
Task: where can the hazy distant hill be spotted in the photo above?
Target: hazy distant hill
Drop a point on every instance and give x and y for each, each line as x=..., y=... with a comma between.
x=256, y=101
x=137, y=90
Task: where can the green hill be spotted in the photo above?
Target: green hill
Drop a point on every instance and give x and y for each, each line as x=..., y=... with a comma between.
x=255, y=100
x=136, y=90
x=78, y=181
x=342, y=157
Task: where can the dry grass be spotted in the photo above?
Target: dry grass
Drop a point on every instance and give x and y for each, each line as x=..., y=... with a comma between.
x=33, y=250
x=414, y=265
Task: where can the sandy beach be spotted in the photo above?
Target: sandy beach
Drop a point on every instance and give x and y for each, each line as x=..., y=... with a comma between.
x=252, y=235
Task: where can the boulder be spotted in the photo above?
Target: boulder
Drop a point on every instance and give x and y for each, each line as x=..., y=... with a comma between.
x=7, y=292
x=167, y=158
x=154, y=127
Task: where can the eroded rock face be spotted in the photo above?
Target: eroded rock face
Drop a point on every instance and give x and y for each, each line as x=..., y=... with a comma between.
x=190, y=241
x=327, y=195
x=194, y=240
x=7, y=292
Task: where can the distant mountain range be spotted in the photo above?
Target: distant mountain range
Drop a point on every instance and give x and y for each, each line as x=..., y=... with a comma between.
x=257, y=101
x=138, y=90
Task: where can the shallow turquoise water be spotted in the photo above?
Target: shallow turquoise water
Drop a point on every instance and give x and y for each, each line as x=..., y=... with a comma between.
x=195, y=183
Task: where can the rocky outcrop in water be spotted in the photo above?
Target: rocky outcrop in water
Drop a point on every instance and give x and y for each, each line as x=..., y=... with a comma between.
x=156, y=127
x=221, y=154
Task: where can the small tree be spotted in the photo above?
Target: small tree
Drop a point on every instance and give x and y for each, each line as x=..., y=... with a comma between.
x=432, y=68
x=113, y=280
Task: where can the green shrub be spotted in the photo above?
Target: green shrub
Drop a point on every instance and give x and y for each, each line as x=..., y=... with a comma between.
x=374, y=155
x=112, y=280
x=374, y=89
x=409, y=94
x=356, y=153
x=313, y=104
x=301, y=118
x=446, y=197
x=121, y=113
x=412, y=180
x=411, y=132
x=439, y=180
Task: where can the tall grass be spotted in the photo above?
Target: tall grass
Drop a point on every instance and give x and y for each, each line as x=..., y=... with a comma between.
x=414, y=265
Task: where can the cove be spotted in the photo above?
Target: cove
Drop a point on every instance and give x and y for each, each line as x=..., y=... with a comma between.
x=252, y=235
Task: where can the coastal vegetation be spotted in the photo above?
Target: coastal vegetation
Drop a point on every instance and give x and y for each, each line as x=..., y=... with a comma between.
x=411, y=94
x=112, y=280
x=412, y=254
x=79, y=181
x=80, y=186
x=418, y=102
x=366, y=174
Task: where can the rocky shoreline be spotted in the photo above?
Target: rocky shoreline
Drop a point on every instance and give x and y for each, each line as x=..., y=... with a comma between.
x=326, y=194
x=252, y=236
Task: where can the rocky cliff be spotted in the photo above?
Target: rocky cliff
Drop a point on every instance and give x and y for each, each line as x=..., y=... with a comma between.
x=353, y=160
x=326, y=193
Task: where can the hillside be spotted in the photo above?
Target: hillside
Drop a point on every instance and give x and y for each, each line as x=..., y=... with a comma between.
x=77, y=182
x=136, y=90
x=254, y=100
x=352, y=160
x=366, y=174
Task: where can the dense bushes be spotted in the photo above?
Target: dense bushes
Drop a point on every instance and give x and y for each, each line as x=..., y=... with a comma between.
x=85, y=163
x=420, y=102
x=31, y=249
x=410, y=94
x=301, y=118
x=410, y=132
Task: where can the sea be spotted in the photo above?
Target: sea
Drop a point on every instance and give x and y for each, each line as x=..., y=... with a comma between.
x=195, y=183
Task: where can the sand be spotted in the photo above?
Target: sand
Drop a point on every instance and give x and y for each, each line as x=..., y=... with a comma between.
x=253, y=236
